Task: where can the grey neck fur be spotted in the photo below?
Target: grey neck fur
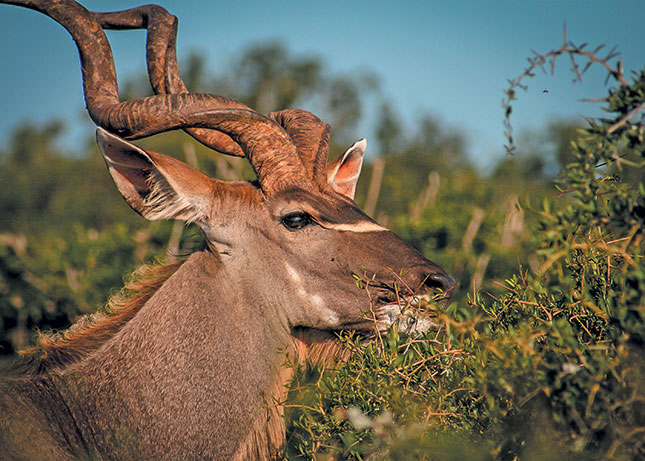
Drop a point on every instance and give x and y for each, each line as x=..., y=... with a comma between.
x=218, y=352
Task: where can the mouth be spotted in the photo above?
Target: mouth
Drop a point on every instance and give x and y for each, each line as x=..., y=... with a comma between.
x=412, y=315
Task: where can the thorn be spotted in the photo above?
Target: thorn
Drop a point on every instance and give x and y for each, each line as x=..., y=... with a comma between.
x=564, y=34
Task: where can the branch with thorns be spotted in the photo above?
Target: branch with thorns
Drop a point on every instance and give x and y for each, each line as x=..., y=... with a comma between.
x=549, y=58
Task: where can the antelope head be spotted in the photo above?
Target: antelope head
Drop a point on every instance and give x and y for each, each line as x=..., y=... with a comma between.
x=297, y=242
x=294, y=238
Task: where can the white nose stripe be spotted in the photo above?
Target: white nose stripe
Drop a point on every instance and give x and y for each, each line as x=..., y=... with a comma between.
x=364, y=226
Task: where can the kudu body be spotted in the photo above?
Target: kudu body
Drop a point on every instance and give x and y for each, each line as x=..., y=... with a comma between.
x=192, y=367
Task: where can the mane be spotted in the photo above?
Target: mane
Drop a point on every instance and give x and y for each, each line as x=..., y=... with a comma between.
x=90, y=332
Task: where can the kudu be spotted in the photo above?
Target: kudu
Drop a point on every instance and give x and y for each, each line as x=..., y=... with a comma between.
x=192, y=364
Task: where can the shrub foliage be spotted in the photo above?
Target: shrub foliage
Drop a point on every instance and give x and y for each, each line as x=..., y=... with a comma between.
x=551, y=368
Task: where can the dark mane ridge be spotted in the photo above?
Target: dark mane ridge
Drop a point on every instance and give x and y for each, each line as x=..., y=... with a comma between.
x=57, y=349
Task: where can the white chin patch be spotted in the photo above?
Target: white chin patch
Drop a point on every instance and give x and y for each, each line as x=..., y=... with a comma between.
x=332, y=320
x=408, y=321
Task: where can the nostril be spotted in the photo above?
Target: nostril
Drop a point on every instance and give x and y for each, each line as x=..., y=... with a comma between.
x=443, y=282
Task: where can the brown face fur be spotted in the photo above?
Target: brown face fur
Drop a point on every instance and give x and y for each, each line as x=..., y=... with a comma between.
x=309, y=249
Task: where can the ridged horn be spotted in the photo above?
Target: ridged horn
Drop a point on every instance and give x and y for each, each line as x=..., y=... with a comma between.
x=267, y=146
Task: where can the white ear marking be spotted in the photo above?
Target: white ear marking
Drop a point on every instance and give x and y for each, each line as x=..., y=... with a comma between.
x=343, y=174
x=164, y=203
x=358, y=146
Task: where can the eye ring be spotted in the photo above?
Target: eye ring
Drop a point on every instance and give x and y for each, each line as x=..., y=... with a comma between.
x=296, y=221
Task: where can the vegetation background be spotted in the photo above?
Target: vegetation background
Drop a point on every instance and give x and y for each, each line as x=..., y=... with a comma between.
x=541, y=353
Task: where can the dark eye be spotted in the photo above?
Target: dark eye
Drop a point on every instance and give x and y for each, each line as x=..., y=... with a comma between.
x=295, y=221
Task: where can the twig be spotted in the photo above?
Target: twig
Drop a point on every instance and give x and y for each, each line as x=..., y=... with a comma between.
x=624, y=120
x=539, y=60
x=471, y=230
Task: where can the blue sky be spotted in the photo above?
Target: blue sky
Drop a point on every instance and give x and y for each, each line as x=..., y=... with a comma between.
x=449, y=59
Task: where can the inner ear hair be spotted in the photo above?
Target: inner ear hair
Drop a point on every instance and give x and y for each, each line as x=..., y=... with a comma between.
x=163, y=202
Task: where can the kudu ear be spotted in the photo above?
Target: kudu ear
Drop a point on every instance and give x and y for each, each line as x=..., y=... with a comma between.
x=155, y=185
x=342, y=175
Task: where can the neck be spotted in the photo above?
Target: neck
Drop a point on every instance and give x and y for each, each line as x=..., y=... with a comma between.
x=196, y=370
x=36, y=422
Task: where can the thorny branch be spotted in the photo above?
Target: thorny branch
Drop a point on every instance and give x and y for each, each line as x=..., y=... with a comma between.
x=549, y=58
x=624, y=120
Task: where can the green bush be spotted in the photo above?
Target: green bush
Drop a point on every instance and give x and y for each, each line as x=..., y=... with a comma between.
x=553, y=368
x=47, y=283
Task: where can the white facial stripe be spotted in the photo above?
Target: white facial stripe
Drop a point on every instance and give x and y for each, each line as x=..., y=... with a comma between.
x=293, y=275
x=317, y=300
x=327, y=316
x=363, y=226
